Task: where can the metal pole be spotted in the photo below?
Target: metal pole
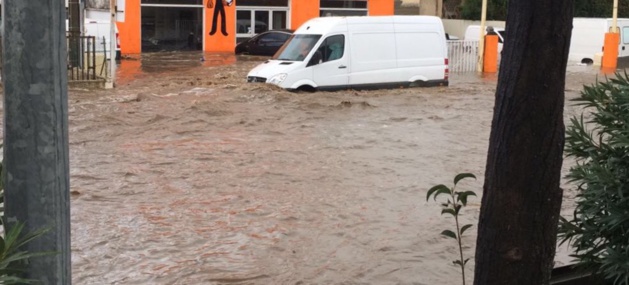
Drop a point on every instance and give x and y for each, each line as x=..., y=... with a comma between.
x=615, y=17
x=112, y=45
x=36, y=132
x=74, y=29
x=481, y=41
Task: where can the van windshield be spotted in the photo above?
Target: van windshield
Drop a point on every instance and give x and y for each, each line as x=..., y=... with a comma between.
x=297, y=47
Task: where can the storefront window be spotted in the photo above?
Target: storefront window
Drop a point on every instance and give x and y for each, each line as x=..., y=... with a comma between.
x=264, y=3
x=262, y=21
x=243, y=22
x=331, y=8
x=279, y=19
x=173, y=2
x=360, y=4
x=258, y=16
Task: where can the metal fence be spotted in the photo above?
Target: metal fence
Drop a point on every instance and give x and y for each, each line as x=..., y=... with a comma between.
x=82, y=58
x=462, y=55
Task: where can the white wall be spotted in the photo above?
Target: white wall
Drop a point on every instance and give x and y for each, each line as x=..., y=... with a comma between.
x=100, y=10
x=457, y=27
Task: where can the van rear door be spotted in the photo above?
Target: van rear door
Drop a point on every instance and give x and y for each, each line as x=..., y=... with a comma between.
x=623, y=49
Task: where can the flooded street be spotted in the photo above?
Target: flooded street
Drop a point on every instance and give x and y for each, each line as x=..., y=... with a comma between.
x=184, y=174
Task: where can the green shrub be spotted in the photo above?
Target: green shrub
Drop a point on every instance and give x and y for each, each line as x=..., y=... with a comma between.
x=12, y=258
x=599, y=142
x=455, y=202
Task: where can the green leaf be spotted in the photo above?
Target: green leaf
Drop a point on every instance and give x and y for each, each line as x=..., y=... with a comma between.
x=435, y=189
x=463, y=176
x=464, y=228
x=448, y=211
x=462, y=196
x=449, y=234
x=443, y=191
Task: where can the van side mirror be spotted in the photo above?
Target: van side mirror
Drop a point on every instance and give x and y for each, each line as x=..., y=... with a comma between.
x=316, y=59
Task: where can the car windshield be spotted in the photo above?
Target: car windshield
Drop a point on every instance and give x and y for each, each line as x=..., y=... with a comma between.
x=297, y=47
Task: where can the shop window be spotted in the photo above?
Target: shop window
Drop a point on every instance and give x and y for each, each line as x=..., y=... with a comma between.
x=173, y=2
x=258, y=16
x=356, y=4
x=279, y=20
x=331, y=8
x=261, y=23
x=243, y=22
x=263, y=3
x=251, y=21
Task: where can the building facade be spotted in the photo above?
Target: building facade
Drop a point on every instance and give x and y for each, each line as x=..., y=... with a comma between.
x=217, y=25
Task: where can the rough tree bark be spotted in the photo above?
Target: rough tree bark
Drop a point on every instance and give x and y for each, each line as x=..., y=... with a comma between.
x=521, y=197
x=36, y=168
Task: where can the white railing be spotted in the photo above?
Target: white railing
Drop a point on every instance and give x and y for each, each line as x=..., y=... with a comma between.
x=462, y=55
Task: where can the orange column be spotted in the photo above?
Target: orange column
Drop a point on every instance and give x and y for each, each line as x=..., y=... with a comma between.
x=215, y=39
x=610, y=50
x=490, y=60
x=381, y=7
x=130, y=31
x=302, y=11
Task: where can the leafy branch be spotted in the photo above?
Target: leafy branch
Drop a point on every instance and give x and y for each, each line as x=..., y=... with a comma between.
x=453, y=206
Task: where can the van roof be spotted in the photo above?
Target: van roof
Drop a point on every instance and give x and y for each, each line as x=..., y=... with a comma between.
x=322, y=25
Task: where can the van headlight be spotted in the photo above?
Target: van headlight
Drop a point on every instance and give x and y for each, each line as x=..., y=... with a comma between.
x=278, y=78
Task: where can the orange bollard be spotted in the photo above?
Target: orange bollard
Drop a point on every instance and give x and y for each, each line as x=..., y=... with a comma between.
x=610, y=51
x=490, y=59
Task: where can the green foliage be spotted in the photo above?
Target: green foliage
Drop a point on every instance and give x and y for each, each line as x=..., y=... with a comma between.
x=456, y=201
x=497, y=9
x=11, y=257
x=599, y=9
x=599, y=141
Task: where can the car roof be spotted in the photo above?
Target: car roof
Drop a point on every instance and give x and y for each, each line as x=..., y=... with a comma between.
x=288, y=31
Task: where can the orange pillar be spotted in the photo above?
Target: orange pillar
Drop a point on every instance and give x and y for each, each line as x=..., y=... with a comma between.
x=130, y=31
x=219, y=42
x=302, y=11
x=610, y=50
x=490, y=59
x=381, y=7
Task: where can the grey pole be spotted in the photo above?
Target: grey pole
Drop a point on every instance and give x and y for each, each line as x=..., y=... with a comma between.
x=36, y=132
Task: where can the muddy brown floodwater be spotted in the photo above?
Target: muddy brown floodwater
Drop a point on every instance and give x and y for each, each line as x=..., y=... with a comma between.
x=184, y=174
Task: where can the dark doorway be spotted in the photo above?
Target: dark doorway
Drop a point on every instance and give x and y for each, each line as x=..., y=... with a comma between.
x=172, y=28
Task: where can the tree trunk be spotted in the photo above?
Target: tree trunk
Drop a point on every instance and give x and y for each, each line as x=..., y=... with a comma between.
x=517, y=228
x=37, y=176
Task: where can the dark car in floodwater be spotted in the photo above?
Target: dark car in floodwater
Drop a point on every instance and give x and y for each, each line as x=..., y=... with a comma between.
x=266, y=43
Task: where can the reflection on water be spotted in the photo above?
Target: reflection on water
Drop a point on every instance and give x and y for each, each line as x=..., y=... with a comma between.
x=135, y=67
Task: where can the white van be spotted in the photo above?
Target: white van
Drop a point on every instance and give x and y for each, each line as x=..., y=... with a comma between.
x=472, y=33
x=332, y=53
x=588, y=38
x=101, y=30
